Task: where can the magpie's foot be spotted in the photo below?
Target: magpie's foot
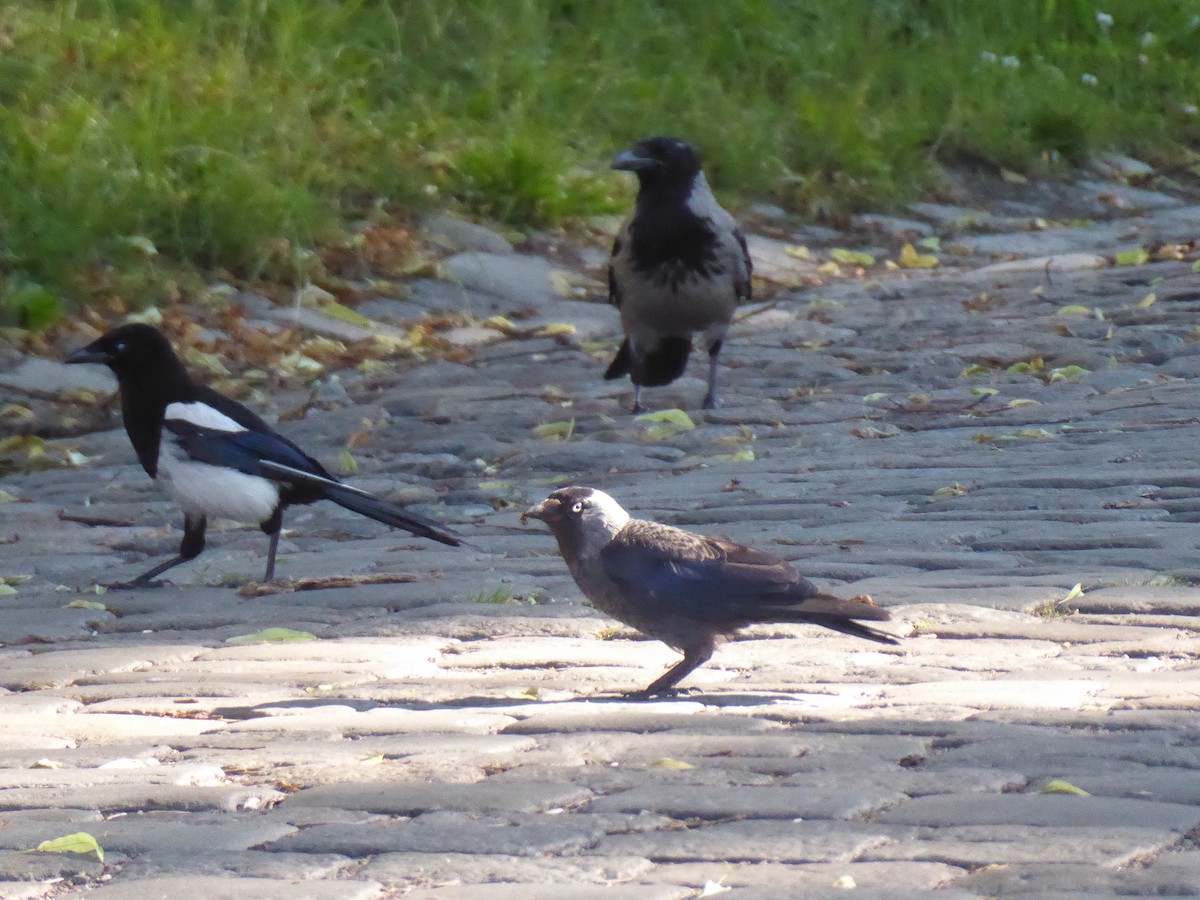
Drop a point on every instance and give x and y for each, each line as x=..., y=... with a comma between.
x=711, y=401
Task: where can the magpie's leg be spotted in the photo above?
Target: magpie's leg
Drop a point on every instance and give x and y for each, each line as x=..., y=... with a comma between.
x=189, y=548
x=637, y=399
x=711, y=400
x=693, y=658
x=273, y=526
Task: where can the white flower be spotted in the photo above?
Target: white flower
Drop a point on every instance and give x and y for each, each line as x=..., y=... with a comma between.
x=1189, y=109
x=988, y=56
x=1149, y=39
x=1010, y=62
x=1104, y=20
x=1089, y=79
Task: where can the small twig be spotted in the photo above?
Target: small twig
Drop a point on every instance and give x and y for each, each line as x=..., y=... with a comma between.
x=287, y=585
x=766, y=307
x=95, y=521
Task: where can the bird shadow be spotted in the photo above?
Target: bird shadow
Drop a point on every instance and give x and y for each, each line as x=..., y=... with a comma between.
x=718, y=700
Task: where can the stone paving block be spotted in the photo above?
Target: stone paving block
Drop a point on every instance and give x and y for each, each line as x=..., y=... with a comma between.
x=1024, y=880
x=24, y=626
x=415, y=799
x=538, y=891
x=237, y=888
x=521, y=652
x=588, y=716
x=452, y=832
x=153, y=832
x=1010, y=693
x=199, y=862
x=1041, y=810
x=756, y=841
x=974, y=846
x=514, y=278
x=140, y=797
x=335, y=718
x=743, y=801
x=87, y=727
x=42, y=377
x=19, y=865
x=418, y=869
x=902, y=879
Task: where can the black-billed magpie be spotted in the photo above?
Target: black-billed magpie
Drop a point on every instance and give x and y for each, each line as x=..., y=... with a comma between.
x=683, y=589
x=679, y=267
x=215, y=457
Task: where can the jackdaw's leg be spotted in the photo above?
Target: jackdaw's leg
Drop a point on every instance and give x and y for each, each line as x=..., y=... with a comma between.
x=693, y=658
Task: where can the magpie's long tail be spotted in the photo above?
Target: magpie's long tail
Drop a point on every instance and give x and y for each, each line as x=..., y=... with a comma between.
x=390, y=514
x=367, y=504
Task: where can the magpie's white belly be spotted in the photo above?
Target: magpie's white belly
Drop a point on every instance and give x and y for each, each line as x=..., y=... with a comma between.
x=214, y=491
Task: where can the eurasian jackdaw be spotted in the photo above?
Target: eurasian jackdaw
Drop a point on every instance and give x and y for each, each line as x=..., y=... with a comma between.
x=683, y=589
x=679, y=267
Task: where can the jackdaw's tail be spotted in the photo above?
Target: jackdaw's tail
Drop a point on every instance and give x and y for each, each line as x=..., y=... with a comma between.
x=838, y=615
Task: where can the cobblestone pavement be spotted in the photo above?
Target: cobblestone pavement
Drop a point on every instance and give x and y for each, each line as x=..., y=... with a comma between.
x=461, y=733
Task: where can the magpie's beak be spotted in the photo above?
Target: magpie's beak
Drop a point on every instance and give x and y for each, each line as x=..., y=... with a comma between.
x=629, y=161
x=89, y=355
x=548, y=511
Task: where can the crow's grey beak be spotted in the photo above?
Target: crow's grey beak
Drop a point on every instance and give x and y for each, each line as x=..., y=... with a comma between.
x=629, y=161
x=547, y=511
x=88, y=355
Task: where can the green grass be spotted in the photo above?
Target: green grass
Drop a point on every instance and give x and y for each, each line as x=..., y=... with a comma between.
x=141, y=139
x=502, y=596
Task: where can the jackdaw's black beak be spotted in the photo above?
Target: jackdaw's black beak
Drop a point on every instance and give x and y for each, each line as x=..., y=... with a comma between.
x=89, y=355
x=549, y=511
x=629, y=161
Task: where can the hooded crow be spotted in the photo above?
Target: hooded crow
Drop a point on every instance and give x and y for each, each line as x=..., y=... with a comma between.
x=214, y=456
x=679, y=267
x=683, y=589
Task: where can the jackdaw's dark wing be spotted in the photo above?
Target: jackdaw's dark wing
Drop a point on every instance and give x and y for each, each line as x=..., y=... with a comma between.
x=723, y=583
x=710, y=579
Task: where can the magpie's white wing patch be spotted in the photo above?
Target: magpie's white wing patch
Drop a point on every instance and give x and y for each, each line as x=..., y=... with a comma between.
x=202, y=416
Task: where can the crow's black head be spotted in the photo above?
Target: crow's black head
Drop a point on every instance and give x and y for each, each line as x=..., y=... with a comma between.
x=660, y=160
x=131, y=350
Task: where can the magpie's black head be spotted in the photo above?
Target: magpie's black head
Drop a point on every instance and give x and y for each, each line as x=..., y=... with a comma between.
x=660, y=160
x=131, y=350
